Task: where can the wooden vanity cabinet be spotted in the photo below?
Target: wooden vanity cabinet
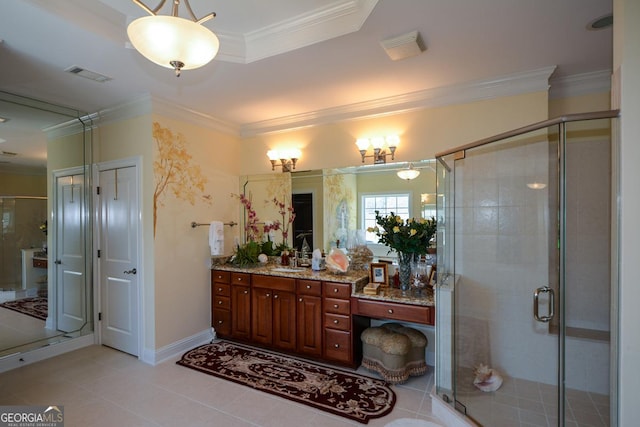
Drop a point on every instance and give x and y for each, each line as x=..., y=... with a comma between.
x=337, y=322
x=241, y=306
x=273, y=311
x=221, y=303
x=309, y=318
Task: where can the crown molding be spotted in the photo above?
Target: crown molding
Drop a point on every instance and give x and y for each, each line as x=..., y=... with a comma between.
x=147, y=104
x=509, y=85
x=334, y=20
x=580, y=84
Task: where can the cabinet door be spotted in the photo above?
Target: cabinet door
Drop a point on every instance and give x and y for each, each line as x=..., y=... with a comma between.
x=261, y=316
x=309, y=325
x=284, y=320
x=240, y=312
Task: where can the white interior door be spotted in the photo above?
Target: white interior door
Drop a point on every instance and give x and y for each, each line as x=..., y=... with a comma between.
x=70, y=271
x=118, y=261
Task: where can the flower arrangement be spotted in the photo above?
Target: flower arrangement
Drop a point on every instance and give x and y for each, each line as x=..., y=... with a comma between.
x=412, y=236
x=283, y=225
x=252, y=232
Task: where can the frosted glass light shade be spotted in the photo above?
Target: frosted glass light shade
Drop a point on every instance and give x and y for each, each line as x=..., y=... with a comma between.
x=408, y=174
x=363, y=144
x=163, y=39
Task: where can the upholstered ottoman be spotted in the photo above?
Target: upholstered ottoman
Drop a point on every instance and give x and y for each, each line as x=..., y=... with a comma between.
x=394, y=351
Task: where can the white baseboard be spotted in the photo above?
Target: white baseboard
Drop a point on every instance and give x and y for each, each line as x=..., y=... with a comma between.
x=176, y=349
x=17, y=360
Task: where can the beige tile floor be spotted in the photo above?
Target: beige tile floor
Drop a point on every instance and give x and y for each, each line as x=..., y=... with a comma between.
x=99, y=386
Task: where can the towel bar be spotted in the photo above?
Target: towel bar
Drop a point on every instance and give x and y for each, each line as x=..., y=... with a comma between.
x=198, y=224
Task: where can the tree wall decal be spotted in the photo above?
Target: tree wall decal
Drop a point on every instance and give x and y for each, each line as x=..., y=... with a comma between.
x=174, y=171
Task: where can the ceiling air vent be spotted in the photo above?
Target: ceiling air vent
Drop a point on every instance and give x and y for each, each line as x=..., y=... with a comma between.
x=79, y=71
x=8, y=153
x=404, y=46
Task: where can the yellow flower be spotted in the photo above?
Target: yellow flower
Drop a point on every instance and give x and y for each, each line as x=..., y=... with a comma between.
x=396, y=229
x=412, y=232
x=398, y=219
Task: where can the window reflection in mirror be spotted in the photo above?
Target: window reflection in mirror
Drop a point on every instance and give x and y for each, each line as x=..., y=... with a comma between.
x=44, y=146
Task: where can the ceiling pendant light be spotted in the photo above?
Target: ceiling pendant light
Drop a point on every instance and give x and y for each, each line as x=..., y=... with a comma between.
x=409, y=173
x=171, y=41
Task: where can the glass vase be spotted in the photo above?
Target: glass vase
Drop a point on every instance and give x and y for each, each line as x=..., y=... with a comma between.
x=404, y=264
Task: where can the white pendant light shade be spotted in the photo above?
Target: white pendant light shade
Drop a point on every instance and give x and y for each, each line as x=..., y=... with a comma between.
x=173, y=42
x=408, y=174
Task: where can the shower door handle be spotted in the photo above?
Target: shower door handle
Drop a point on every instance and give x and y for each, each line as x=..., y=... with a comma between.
x=536, y=304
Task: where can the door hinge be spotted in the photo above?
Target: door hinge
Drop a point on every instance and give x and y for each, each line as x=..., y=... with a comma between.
x=98, y=190
x=99, y=316
x=99, y=253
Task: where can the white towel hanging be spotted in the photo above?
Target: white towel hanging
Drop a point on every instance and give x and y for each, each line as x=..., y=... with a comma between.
x=216, y=237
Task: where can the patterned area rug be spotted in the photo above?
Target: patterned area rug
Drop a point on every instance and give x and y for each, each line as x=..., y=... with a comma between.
x=34, y=307
x=342, y=393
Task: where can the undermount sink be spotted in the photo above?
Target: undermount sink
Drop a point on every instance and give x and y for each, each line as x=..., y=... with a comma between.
x=287, y=269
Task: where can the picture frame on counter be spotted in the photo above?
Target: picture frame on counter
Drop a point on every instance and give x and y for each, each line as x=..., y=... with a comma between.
x=378, y=273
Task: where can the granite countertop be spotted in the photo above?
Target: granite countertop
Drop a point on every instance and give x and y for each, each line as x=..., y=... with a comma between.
x=395, y=295
x=358, y=279
x=352, y=277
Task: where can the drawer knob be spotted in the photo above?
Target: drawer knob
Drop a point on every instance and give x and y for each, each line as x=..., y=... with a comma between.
x=335, y=306
x=219, y=277
x=267, y=295
x=275, y=296
x=219, y=289
x=335, y=290
x=239, y=279
x=219, y=302
x=308, y=286
x=219, y=322
x=336, y=345
x=246, y=292
x=390, y=311
x=300, y=300
x=336, y=321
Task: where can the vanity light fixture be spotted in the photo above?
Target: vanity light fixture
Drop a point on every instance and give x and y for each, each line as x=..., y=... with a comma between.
x=172, y=41
x=409, y=173
x=379, y=147
x=288, y=159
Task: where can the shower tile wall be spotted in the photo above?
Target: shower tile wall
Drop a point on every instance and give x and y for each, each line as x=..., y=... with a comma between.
x=504, y=233
x=502, y=257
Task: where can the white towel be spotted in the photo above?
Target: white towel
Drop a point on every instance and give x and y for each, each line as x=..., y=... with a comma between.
x=216, y=237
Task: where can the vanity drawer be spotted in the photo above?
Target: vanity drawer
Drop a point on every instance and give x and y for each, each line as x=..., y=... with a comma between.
x=220, y=289
x=337, y=345
x=387, y=310
x=336, y=290
x=39, y=263
x=337, y=321
x=275, y=283
x=337, y=306
x=221, y=322
x=222, y=302
x=240, y=278
x=310, y=287
x=221, y=276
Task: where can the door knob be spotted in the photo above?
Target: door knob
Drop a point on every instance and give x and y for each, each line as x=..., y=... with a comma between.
x=132, y=271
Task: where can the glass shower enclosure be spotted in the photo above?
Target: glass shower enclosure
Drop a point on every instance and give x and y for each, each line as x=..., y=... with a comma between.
x=526, y=276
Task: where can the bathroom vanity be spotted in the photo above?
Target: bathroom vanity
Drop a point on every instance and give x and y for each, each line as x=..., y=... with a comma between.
x=315, y=314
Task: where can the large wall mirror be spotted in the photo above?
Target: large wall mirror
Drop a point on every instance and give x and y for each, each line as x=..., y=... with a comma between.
x=45, y=241
x=334, y=207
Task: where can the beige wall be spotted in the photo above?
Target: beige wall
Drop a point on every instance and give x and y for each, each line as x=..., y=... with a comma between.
x=12, y=184
x=580, y=104
x=422, y=133
x=182, y=255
